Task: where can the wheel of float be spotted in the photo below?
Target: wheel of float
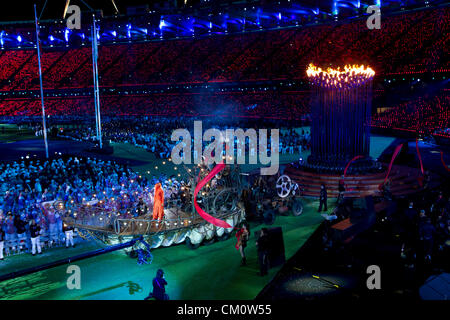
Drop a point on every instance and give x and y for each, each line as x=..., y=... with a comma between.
x=191, y=245
x=224, y=201
x=283, y=186
x=297, y=207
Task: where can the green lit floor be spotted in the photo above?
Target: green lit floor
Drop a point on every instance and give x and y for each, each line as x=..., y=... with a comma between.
x=209, y=272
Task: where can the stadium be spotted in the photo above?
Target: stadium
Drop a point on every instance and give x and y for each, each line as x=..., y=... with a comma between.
x=231, y=150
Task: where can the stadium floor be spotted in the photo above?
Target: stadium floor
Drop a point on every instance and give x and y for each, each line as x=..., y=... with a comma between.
x=209, y=272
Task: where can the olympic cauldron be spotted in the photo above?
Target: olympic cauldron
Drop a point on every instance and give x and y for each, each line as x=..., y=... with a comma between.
x=340, y=111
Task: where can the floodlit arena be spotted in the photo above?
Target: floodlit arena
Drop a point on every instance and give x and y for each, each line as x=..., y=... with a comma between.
x=293, y=150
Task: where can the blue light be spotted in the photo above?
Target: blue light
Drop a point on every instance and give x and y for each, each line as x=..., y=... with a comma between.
x=279, y=15
x=335, y=8
x=19, y=38
x=1, y=38
x=129, y=30
x=51, y=38
x=162, y=23
x=114, y=33
x=66, y=34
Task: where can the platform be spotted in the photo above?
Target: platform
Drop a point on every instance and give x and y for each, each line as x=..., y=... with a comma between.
x=404, y=181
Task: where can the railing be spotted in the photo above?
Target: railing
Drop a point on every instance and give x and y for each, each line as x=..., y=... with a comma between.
x=145, y=226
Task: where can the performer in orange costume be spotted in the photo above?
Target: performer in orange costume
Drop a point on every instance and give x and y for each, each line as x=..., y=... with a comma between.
x=158, y=202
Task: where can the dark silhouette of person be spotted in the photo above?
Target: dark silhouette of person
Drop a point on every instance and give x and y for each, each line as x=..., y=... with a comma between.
x=263, y=250
x=341, y=189
x=323, y=198
x=159, y=287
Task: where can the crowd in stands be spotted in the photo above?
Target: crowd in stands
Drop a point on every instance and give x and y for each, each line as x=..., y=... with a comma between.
x=268, y=104
x=425, y=116
x=44, y=190
x=154, y=133
x=405, y=40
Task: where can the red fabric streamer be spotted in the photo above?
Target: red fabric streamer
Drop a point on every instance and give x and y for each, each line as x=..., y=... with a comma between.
x=420, y=157
x=396, y=152
x=443, y=162
x=348, y=164
x=217, y=222
x=238, y=236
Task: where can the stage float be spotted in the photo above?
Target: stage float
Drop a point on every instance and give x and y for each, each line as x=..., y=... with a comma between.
x=180, y=222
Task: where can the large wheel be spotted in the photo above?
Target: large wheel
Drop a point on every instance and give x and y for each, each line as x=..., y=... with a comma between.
x=283, y=186
x=297, y=207
x=225, y=201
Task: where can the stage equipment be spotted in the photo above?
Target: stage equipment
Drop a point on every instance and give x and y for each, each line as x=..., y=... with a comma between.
x=38, y=46
x=98, y=121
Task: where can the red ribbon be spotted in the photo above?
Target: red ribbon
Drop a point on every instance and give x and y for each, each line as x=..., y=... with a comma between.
x=396, y=152
x=420, y=157
x=443, y=162
x=217, y=222
x=348, y=164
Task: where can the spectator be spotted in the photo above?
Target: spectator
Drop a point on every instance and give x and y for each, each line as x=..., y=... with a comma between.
x=35, y=237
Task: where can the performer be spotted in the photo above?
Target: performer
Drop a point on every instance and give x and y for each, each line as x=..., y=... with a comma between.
x=159, y=287
x=158, y=204
x=323, y=198
x=242, y=237
x=68, y=231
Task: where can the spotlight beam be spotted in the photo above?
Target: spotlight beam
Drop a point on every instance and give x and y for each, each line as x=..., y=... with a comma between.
x=115, y=7
x=65, y=8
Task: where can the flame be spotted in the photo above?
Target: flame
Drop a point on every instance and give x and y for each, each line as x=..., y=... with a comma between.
x=352, y=74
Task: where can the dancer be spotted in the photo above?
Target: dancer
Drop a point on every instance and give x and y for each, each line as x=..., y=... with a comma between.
x=158, y=204
x=242, y=237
